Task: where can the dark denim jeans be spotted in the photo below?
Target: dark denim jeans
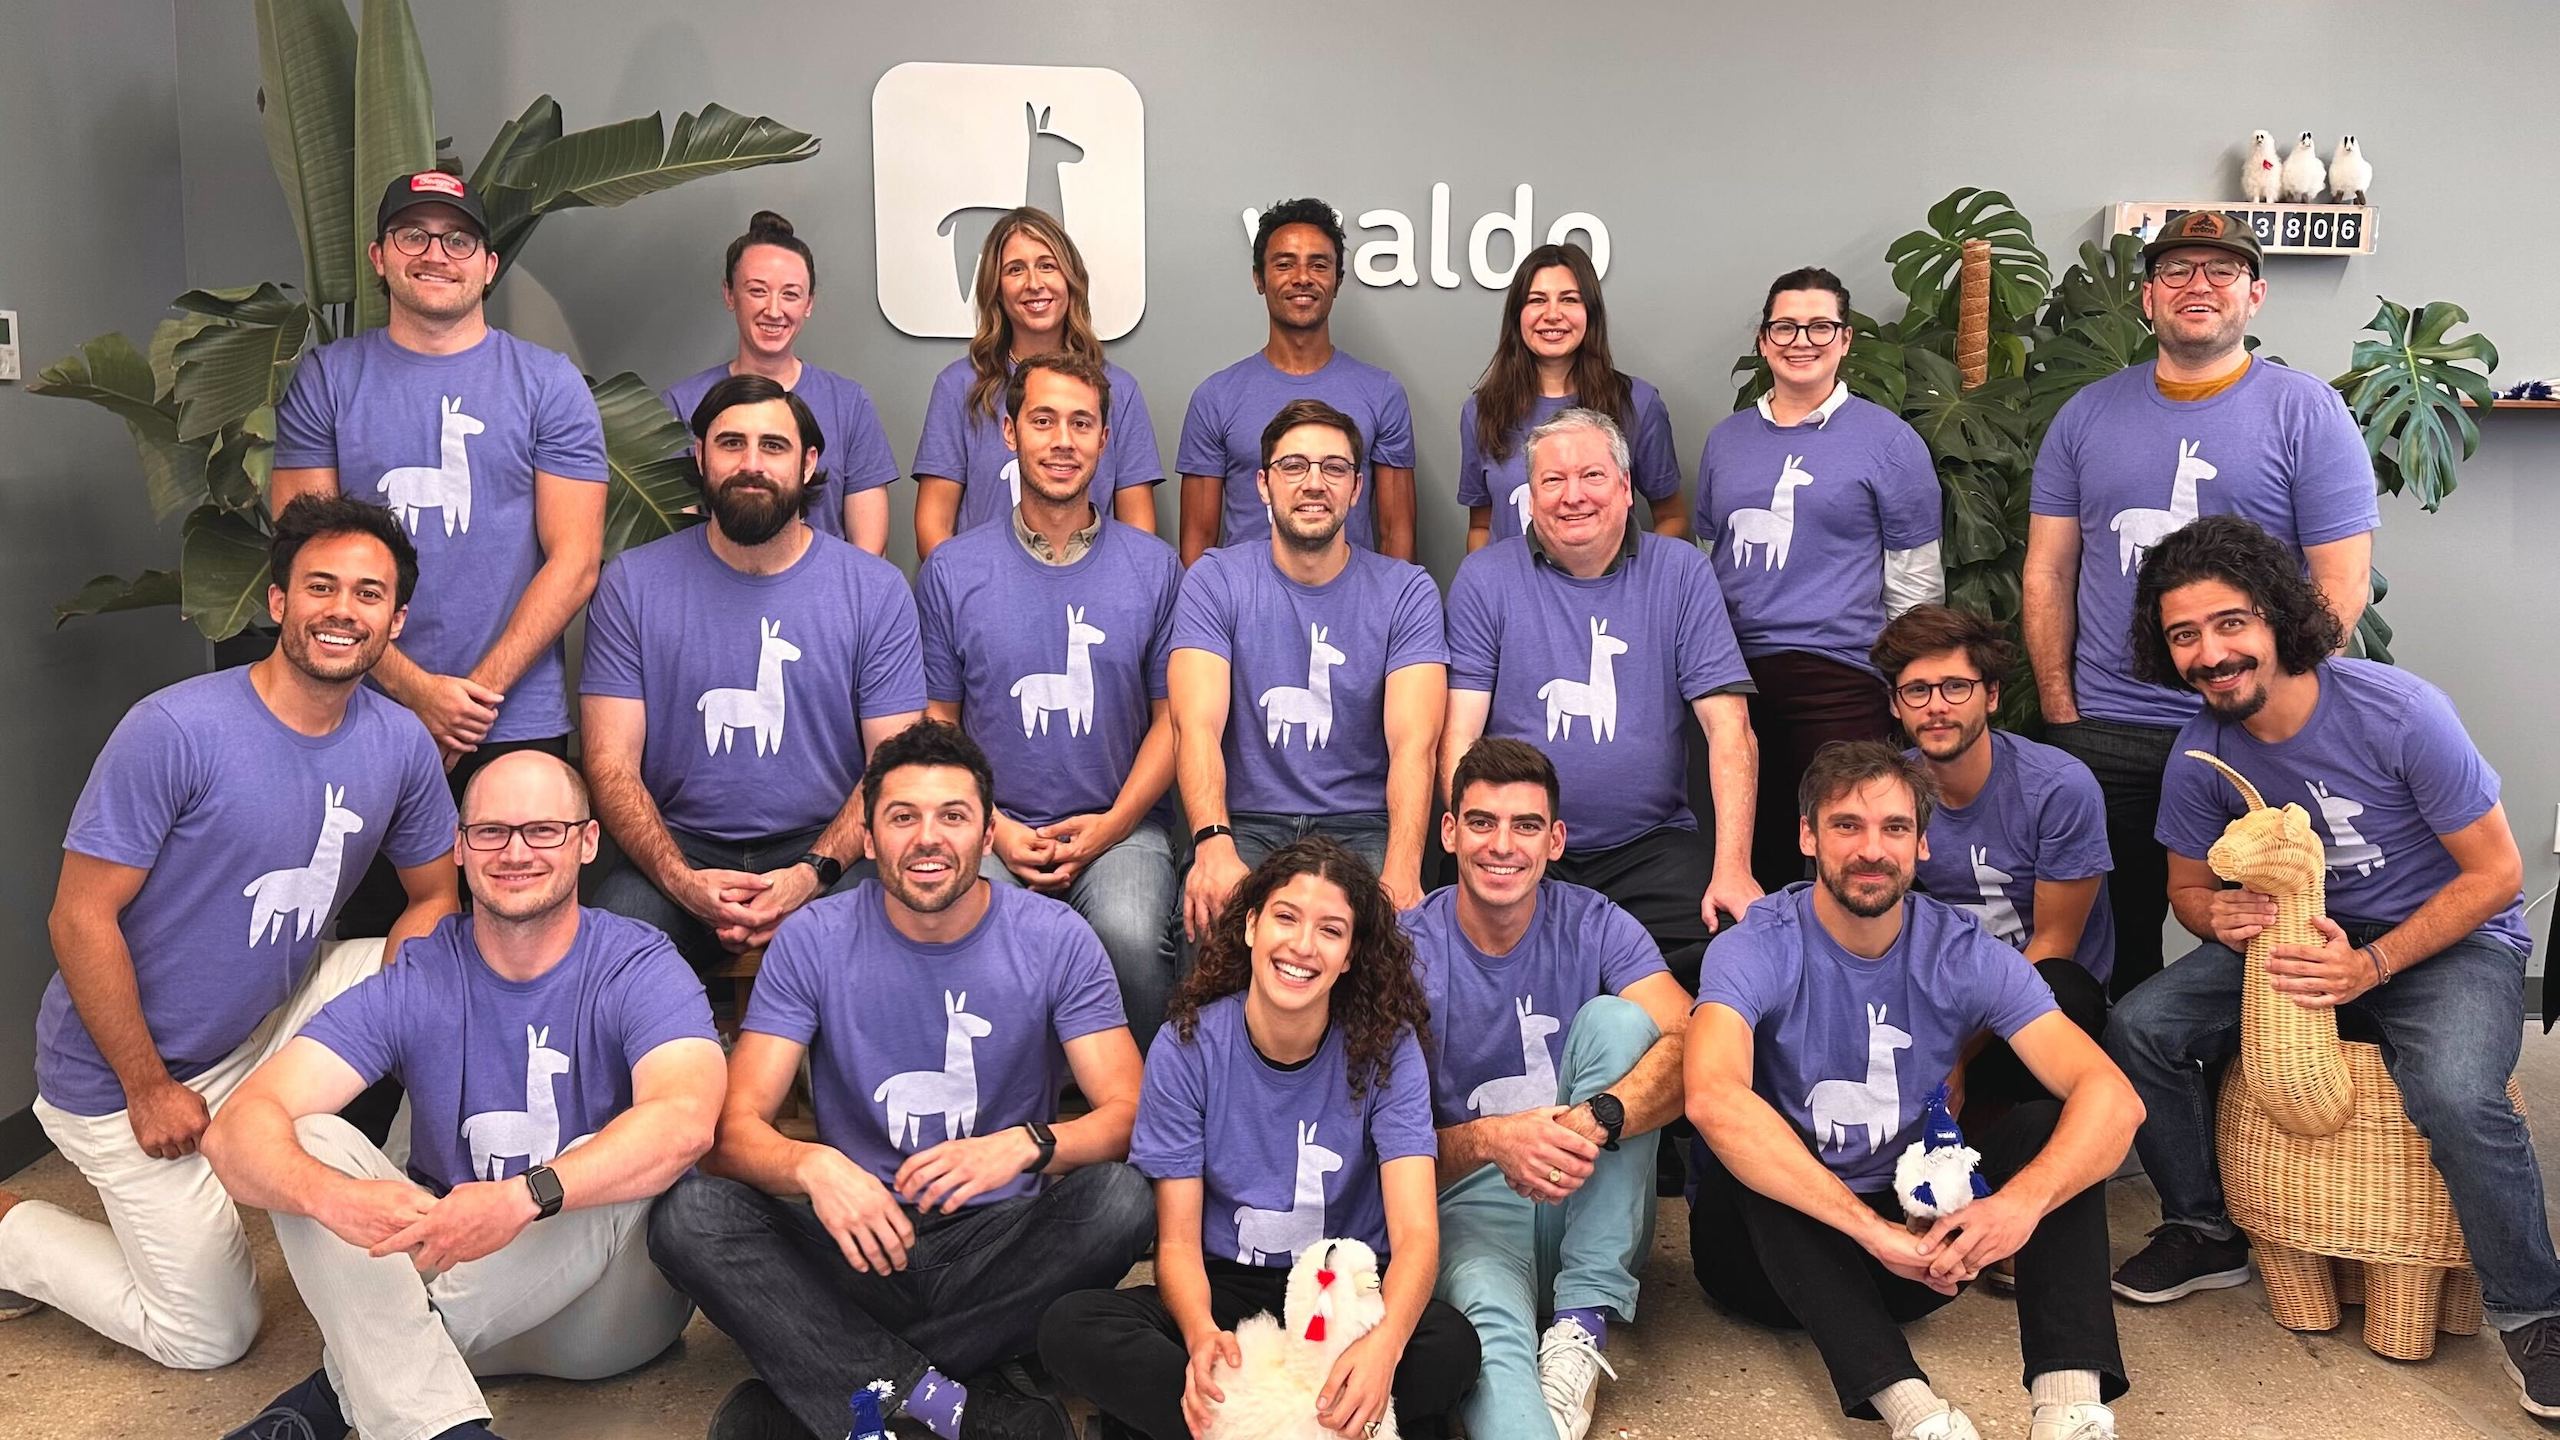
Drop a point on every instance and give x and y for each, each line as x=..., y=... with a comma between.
x=1659, y=878
x=2450, y=1028
x=628, y=893
x=1258, y=833
x=2128, y=761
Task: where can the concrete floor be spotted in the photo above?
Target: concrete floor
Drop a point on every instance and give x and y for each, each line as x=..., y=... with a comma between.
x=2211, y=1365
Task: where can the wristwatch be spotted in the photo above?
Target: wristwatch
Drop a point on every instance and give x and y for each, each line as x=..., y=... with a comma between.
x=546, y=1191
x=1047, y=1140
x=1207, y=833
x=829, y=868
x=1612, y=1115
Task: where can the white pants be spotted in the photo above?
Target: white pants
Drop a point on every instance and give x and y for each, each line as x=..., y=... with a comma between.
x=169, y=1273
x=574, y=1297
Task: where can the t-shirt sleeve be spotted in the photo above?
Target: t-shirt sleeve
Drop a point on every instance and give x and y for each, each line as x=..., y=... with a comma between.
x=142, y=779
x=1627, y=953
x=1204, y=613
x=422, y=829
x=1710, y=658
x=568, y=434
x=1415, y=636
x=2449, y=781
x=1203, y=447
x=2195, y=803
x=1472, y=490
x=1746, y=976
x=1702, y=523
x=785, y=1002
x=660, y=1002
x=2333, y=488
x=936, y=623
x=1475, y=630
x=943, y=448
x=361, y=1024
x=1656, y=454
x=1400, y=1107
x=612, y=665
x=1160, y=636
x=2056, y=487
x=1907, y=492
x=863, y=459
x=1393, y=444
x=2071, y=826
x=2014, y=996
x=307, y=418
x=892, y=679
x=1134, y=457
x=1170, y=1138
x=1085, y=995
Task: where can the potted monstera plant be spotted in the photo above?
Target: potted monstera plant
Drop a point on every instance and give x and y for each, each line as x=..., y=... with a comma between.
x=344, y=111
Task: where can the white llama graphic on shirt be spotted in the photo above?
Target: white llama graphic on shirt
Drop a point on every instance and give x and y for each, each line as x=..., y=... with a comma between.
x=1997, y=914
x=1070, y=690
x=728, y=710
x=1312, y=707
x=304, y=892
x=2137, y=530
x=1268, y=1235
x=951, y=1092
x=1773, y=529
x=1520, y=504
x=1873, y=1104
x=531, y=1134
x=1595, y=697
x=446, y=487
x=1012, y=478
x=1535, y=1085
x=2347, y=845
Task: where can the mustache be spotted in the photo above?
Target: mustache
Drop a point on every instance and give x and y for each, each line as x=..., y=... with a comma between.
x=2203, y=674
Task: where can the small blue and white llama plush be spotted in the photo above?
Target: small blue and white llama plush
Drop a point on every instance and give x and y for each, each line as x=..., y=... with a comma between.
x=1938, y=1175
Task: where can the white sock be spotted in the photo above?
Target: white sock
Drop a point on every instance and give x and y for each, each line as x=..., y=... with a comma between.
x=1906, y=1403
x=2063, y=1387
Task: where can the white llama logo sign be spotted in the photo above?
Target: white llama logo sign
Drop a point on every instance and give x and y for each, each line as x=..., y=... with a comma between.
x=446, y=486
x=1873, y=1104
x=1773, y=529
x=304, y=893
x=1594, y=697
x=728, y=710
x=1312, y=707
x=2347, y=845
x=1535, y=1085
x=1997, y=914
x=1264, y=1236
x=531, y=1134
x=950, y=1092
x=2137, y=530
x=1070, y=689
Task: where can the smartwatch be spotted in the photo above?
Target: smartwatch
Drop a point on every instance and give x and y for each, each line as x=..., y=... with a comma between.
x=1047, y=1140
x=1612, y=1115
x=546, y=1191
x=830, y=869
x=1207, y=833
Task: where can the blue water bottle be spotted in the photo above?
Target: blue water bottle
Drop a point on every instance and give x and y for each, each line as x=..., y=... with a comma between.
x=867, y=1424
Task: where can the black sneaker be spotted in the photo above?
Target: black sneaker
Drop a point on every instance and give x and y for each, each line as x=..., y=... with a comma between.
x=994, y=1413
x=2531, y=1354
x=14, y=1306
x=308, y=1411
x=2180, y=1261
x=753, y=1412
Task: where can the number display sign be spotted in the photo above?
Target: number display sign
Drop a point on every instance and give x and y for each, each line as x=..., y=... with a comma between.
x=2281, y=229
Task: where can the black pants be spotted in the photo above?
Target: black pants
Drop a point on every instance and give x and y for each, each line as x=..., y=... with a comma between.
x=1773, y=1263
x=2128, y=760
x=374, y=906
x=1804, y=703
x=1998, y=1078
x=1121, y=1350
x=1659, y=878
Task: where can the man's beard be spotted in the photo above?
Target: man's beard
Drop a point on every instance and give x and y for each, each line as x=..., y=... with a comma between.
x=1965, y=736
x=750, y=512
x=1837, y=882
x=2239, y=705
x=330, y=667
x=964, y=874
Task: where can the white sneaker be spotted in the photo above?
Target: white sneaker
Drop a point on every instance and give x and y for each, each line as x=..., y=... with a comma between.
x=1945, y=1423
x=1569, y=1367
x=2087, y=1420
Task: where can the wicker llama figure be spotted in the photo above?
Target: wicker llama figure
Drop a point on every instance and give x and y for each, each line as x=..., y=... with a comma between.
x=2320, y=1165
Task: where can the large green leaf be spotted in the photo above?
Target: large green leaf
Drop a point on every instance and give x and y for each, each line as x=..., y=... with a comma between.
x=2372, y=637
x=227, y=370
x=2406, y=390
x=653, y=491
x=108, y=593
x=164, y=353
x=395, y=132
x=2106, y=281
x=1985, y=423
x=611, y=164
x=1925, y=261
x=306, y=79
x=108, y=372
x=222, y=569
x=265, y=303
x=2094, y=347
x=511, y=217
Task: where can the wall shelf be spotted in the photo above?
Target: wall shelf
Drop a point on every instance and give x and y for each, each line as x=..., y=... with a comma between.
x=2519, y=405
x=2282, y=229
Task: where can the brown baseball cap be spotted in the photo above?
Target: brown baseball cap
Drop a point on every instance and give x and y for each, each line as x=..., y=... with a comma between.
x=2213, y=229
x=429, y=187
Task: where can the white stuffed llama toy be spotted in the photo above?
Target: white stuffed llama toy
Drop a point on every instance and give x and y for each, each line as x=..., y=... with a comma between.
x=1333, y=1300
x=1937, y=1175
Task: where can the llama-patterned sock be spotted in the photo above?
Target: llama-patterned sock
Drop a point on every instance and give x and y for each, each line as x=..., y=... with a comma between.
x=936, y=1402
x=1593, y=1321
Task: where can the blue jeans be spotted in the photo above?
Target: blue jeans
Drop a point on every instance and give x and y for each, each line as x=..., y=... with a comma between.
x=1258, y=834
x=628, y=893
x=1127, y=895
x=1502, y=1256
x=2450, y=1032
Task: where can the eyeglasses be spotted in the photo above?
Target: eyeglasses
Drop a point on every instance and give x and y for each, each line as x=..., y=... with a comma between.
x=1816, y=333
x=1332, y=467
x=2177, y=274
x=1915, y=696
x=538, y=834
x=413, y=240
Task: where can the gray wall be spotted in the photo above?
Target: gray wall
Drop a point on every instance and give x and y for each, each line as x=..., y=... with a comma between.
x=1721, y=144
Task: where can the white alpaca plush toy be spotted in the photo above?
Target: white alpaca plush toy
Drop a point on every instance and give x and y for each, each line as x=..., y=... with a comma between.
x=1332, y=1300
x=1937, y=1175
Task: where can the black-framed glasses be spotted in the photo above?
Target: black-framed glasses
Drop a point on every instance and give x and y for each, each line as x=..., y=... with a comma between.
x=413, y=240
x=1915, y=695
x=1816, y=333
x=538, y=834
x=2178, y=274
x=1332, y=467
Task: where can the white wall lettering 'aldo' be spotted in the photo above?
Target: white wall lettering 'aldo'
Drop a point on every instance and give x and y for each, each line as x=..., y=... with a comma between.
x=1394, y=259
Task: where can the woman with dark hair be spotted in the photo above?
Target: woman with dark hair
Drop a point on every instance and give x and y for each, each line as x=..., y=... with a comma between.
x=1553, y=353
x=1821, y=513
x=1033, y=296
x=1285, y=1103
x=769, y=282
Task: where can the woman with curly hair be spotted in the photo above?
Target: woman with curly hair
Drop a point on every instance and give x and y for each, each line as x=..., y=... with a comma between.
x=1285, y=1103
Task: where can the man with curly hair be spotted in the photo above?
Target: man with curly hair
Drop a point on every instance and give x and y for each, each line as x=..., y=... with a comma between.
x=2425, y=939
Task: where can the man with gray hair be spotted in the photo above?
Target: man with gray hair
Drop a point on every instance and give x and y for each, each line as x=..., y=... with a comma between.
x=1593, y=638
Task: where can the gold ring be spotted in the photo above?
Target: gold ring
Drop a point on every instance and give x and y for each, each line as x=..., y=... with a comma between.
x=1370, y=1429
x=1555, y=1177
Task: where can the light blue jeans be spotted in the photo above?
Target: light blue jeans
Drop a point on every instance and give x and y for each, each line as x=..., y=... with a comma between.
x=1127, y=895
x=1505, y=1260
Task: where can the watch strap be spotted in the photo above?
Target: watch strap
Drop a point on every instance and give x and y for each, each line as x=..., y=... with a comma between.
x=1612, y=1117
x=830, y=869
x=544, y=1185
x=1207, y=833
x=1047, y=1140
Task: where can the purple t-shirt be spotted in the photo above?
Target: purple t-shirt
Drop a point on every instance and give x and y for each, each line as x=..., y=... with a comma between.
x=2131, y=465
x=1861, y=483
x=856, y=455
x=2039, y=817
x=2383, y=768
x=1222, y=433
x=1498, y=1022
x=254, y=834
x=1502, y=486
x=1055, y=667
x=1302, y=657
x=450, y=444
x=1598, y=673
x=502, y=1074
x=968, y=446
x=913, y=1044
x=1847, y=1048
x=1285, y=1157
x=756, y=685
